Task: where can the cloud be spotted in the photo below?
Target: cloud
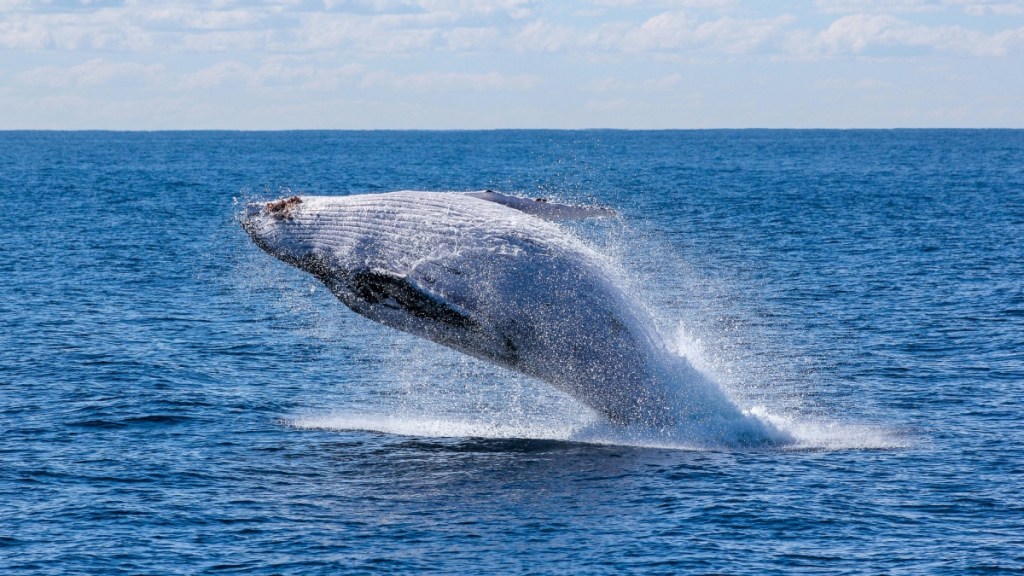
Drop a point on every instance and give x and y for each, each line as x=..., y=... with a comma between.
x=666, y=31
x=667, y=4
x=378, y=26
x=668, y=82
x=858, y=33
x=463, y=9
x=409, y=27
x=673, y=31
x=103, y=29
x=274, y=73
x=743, y=36
x=216, y=75
x=876, y=6
x=975, y=8
x=861, y=84
x=543, y=36
x=96, y=72
x=970, y=7
x=450, y=81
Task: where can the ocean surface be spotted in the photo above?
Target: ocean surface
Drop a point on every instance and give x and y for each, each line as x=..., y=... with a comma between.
x=175, y=401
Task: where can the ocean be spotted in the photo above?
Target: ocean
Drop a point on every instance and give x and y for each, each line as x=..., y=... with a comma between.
x=175, y=401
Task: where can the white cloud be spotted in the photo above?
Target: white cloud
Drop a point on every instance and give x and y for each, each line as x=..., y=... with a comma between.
x=464, y=39
x=666, y=31
x=377, y=26
x=216, y=75
x=96, y=72
x=307, y=77
x=633, y=56
x=857, y=33
x=876, y=6
x=667, y=4
x=460, y=9
x=10, y=5
x=609, y=84
x=860, y=84
x=674, y=31
x=666, y=82
x=294, y=75
x=23, y=34
x=387, y=27
x=970, y=7
x=543, y=36
x=188, y=17
x=743, y=36
x=976, y=8
x=450, y=81
x=104, y=29
x=226, y=41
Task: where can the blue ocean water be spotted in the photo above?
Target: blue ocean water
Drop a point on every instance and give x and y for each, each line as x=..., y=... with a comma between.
x=172, y=400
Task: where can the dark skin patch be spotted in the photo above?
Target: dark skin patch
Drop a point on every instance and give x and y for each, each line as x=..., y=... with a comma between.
x=363, y=288
x=282, y=209
x=377, y=288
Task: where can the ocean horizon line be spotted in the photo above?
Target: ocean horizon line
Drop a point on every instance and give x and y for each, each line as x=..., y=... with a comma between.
x=441, y=130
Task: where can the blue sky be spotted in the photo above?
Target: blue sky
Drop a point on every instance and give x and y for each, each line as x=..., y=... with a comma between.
x=336, y=64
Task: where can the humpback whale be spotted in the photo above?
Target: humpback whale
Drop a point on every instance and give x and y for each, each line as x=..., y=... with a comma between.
x=493, y=276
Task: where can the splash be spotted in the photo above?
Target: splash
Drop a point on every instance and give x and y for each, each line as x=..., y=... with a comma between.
x=436, y=393
x=798, y=436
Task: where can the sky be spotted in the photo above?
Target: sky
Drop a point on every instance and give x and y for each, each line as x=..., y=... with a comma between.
x=464, y=64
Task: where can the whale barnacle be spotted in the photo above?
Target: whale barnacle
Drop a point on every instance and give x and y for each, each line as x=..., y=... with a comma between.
x=282, y=208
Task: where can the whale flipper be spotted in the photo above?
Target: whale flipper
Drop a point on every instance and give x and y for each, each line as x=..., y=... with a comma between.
x=378, y=287
x=404, y=302
x=543, y=209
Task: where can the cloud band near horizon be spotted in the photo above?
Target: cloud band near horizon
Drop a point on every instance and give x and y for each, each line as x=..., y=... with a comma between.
x=510, y=63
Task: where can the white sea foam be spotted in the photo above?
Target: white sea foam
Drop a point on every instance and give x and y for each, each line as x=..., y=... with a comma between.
x=794, y=434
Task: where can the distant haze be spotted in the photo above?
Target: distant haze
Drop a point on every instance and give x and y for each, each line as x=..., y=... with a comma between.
x=461, y=64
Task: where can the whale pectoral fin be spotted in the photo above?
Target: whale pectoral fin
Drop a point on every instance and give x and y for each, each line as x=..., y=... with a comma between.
x=543, y=209
x=381, y=287
x=394, y=299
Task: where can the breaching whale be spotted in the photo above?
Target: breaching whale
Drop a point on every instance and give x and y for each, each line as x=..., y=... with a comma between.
x=491, y=276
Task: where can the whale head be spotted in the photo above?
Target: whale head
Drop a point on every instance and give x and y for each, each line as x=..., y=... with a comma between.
x=376, y=259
